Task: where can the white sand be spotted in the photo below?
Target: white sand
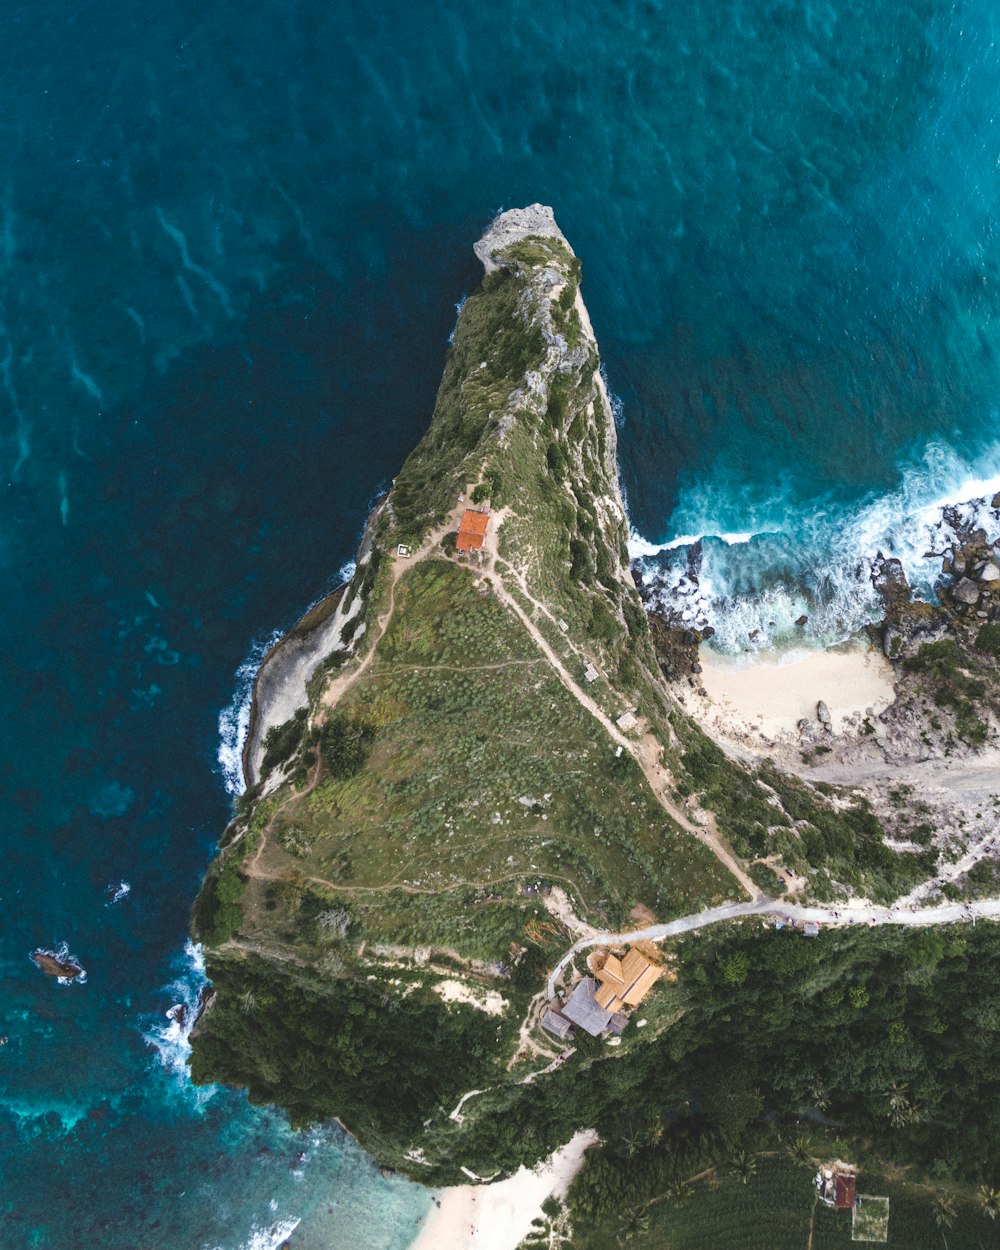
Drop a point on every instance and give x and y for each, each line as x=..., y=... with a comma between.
x=490, y=1001
x=770, y=697
x=498, y=1216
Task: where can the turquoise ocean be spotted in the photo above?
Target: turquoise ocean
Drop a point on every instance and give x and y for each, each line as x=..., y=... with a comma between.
x=232, y=240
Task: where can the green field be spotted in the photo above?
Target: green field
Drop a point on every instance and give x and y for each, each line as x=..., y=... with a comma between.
x=777, y=1210
x=483, y=774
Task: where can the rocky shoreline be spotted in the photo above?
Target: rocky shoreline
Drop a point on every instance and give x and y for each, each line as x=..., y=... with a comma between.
x=280, y=686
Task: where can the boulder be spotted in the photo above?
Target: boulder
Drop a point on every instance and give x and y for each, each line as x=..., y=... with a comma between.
x=892, y=642
x=889, y=579
x=965, y=591
x=54, y=965
x=823, y=715
x=802, y=620
x=990, y=573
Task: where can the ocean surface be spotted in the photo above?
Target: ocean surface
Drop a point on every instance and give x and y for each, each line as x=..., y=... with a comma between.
x=232, y=239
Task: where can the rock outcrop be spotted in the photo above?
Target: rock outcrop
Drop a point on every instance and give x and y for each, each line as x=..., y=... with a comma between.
x=57, y=964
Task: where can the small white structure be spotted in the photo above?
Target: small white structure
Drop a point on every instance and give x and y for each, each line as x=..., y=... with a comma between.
x=403, y=550
x=627, y=721
x=590, y=673
x=563, y=626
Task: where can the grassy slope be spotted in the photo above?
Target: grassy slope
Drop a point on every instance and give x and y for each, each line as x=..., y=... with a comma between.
x=484, y=769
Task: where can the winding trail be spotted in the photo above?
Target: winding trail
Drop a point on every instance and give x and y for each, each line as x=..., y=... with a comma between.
x=840, y=917
x=645, y=751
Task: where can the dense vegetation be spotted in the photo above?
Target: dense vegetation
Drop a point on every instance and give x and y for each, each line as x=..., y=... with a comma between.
x=360, y=1053
x=759, y=1195
x=894, y=1033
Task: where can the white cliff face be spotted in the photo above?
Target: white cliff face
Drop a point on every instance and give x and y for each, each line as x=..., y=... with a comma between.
x=545, y=285
x=514, y=225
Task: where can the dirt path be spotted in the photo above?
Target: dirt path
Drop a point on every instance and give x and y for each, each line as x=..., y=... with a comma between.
x=337, y=688
x=253, y=869
x=461, y=668
x=832, y=917
x=646, y=751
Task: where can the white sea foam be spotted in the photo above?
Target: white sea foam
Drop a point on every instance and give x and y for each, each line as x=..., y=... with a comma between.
x=640, y=548
x=234, y=719
x=458, y=312
x=170, y=1033
x=269, y=1238
x=117, y=892
x=753, y=586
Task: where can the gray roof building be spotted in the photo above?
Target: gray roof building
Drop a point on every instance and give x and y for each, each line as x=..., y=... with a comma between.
x=617, y=1023
x=557, y=1024
x=582, y=1008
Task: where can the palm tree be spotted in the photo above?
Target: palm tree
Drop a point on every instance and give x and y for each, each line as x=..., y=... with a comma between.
x=632, y=1139
x=989, y=1200
x=634, y=1223
x=680, y=1192
x=944, y=1211
x=744, y=1166
x=800, y=1149
x=902, y=1110
x=654, y=1133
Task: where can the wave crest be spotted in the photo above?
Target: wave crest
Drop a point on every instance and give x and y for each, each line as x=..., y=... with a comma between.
x=754, y=588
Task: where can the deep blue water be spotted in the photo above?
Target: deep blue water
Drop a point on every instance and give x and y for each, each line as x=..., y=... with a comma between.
x=231, y=242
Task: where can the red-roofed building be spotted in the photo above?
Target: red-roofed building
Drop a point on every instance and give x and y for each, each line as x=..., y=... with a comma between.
x=844, y=1186
x=837, y=1185
x=472, y=530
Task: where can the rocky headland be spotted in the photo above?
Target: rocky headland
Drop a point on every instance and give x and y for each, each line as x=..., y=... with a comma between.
x=484, y=750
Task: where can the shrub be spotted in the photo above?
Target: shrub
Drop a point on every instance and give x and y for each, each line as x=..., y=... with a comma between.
x=988, y=639
x=282, y=741
x=345, y=744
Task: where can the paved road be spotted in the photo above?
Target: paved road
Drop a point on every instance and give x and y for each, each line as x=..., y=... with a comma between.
x=924, y=917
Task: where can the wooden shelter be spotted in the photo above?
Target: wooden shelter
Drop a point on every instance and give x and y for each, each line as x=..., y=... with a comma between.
x=844, y=1187
x=626, y=982
x=472, y=530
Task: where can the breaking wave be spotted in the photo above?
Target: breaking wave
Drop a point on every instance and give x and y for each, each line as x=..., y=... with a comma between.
x=813, y=560
x=170, y=1033
x=272, y=1237
x=234, y=719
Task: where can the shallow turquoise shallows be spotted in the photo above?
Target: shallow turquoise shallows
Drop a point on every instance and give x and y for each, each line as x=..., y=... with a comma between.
x=232, y=237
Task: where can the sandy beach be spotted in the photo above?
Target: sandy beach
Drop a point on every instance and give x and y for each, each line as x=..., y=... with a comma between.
x=770, y=696
x=498, y=1216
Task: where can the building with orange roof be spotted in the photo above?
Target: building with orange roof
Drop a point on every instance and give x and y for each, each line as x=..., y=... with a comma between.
x=472, y=530
x=625, y=982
